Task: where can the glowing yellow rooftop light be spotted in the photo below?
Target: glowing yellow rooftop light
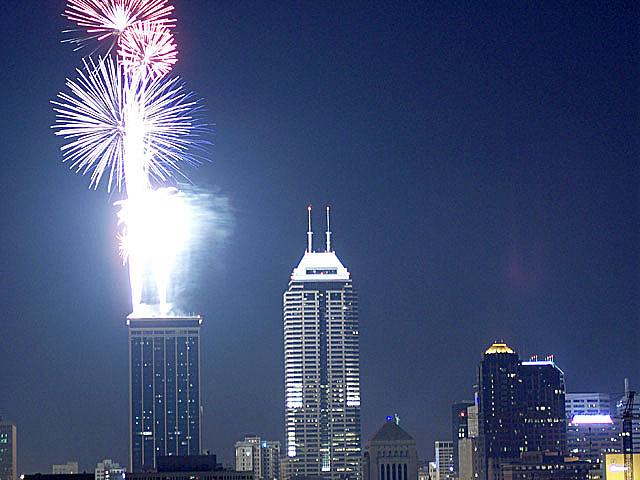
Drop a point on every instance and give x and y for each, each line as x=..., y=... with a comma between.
x=498, y=348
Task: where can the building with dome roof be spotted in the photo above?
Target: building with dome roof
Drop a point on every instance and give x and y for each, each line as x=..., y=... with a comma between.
x=520, y=409
x=390, y=454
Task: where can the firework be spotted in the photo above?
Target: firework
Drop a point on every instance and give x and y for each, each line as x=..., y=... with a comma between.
x=110, y=18
x=147, y=48
x=137, y=131
x=125, y=120
x=155, y=230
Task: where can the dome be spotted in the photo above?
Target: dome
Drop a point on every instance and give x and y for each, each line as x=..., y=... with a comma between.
x=498, y=348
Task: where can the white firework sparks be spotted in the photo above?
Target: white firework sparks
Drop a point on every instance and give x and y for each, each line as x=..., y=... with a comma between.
x=123, y=125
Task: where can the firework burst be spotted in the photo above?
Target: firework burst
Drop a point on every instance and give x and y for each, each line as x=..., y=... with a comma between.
x=108, y=118
x=147, y=48
x=101, y=19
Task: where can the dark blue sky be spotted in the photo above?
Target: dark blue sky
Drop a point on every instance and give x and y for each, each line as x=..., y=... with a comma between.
x=482, y=167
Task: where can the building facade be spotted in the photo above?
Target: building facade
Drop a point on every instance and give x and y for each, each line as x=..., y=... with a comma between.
x=543, y=406
x=189, y=467
x=543, y=466
x=8, y=451
x=262, y=457
x=65, y=468
x=108, y=470
x=587, y=404
x=444, y=460
x=322, y=367
x=390, y=454
x=459, y=429
x=164, y=371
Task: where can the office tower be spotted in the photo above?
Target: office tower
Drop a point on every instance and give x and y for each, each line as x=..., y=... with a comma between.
x=108, y=470
x=65, y=469
x=270, y=450
x=262, y=457
x=164, y=371
x=499, y=403
x=521, y=408
x=470, y=453
x=8, y=451
x=248, y=456
x=543, y=402
x=587, y=404
x=444, y=460
x=322, y=367
x=390, y=454
x=459, y=428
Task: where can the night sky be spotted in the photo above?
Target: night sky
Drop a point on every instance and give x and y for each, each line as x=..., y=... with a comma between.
x=482, y=167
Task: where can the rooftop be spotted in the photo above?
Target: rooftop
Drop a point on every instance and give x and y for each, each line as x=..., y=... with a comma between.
x=390, y=431
x=498, y=348
x=320, y=267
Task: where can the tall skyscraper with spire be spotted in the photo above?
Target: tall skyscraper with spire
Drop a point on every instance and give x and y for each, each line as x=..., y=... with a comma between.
x=322, y=367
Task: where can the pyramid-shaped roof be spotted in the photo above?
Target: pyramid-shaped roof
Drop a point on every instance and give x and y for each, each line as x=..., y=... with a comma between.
x=390, y=431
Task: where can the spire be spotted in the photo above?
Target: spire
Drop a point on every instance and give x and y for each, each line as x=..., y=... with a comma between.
x=328, y=232
x=309, y=233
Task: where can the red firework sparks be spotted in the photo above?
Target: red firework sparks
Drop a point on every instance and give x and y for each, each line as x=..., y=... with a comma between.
x=103, y=18
x=148, y=47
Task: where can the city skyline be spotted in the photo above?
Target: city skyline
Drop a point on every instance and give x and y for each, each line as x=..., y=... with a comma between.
x=481, y=164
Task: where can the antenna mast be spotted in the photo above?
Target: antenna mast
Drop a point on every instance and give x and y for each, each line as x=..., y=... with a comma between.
x=328, y=232
x=309, y=232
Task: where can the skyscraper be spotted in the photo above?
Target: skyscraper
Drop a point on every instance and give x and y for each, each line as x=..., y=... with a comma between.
x=164, y=371
x=499, y=403
x=520, y=409
x=459, y=429
x=543, y=390
x=8, y=451
x=444, y=460
x=322, y=367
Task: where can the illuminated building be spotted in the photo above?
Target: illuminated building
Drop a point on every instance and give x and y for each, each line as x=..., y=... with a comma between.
x=65, y=468
x=543, y=402
x=8, y=451
x=444, y=460
x=262, y=457
x=164, y=363
x=499, y=404
x=270, y=450
x=248, y=456
x=459, y=429
x=390, y=454
x=592, y=436
x=470, y=454
x=616, y=468
x=587, y=404
x=521, y=408
x=543, y=466
x=108, y=470
x=322, y=367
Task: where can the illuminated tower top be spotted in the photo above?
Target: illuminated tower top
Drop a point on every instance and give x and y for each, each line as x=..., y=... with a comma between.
x=319, y=266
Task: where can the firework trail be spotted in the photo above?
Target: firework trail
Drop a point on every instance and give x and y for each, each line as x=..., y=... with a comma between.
x=125, y=116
